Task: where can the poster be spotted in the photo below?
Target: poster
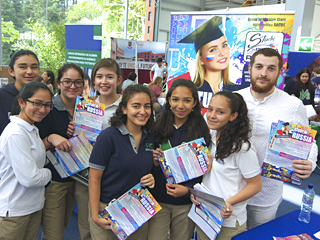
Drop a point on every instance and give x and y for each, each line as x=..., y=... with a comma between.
x=126, y=52
x=83, y=44
x=232, y=39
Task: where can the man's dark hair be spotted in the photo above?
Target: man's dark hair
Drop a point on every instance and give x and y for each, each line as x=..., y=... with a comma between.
x=159, y=60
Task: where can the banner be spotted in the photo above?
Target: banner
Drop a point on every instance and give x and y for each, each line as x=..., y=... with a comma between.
x=215, y=50
x=83, y=44
x=126, y=52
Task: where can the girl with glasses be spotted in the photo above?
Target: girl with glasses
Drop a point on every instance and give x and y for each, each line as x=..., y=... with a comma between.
x=60, y=197
x=22, y=157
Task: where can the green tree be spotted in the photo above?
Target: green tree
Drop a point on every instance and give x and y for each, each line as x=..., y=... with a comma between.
x=9, y=36
x=48, y=45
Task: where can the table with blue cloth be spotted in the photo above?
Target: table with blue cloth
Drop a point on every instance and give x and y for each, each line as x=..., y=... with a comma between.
x=283, y=226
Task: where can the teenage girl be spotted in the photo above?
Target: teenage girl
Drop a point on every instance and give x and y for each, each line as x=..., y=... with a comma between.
x=305, y=87
x=23, y=68
x=106, y=77
x=48, y=78
x=235, y=173
x=121, y=158
x=22, y=157
x=60, y=197
x=181, y=121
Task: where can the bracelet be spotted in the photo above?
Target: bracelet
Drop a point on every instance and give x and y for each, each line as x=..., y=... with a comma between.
x=48, y=140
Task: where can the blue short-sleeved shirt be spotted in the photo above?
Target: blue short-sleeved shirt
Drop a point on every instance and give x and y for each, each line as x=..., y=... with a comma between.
x=122, y=163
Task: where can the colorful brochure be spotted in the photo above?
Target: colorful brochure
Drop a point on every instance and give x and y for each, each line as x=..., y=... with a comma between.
x=207, y=214
x=287, y=142
x=186, y=161
x=88, y=117
x=303, y=236
x=131, y=211
x=69, y=163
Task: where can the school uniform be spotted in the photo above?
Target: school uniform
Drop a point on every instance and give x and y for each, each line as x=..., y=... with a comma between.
x=109, y=111
x=22, y=180
x=123, y=164
x=7, y=94
x=174, y=213
x=59, y=196
x=227, y=179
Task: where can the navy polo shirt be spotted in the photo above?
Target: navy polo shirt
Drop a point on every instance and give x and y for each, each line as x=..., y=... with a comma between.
x=159, y=192
x=56, y=122
x=122, y=163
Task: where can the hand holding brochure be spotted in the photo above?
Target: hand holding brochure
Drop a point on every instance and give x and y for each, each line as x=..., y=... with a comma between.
x=287, y=142
x=88, y=117
x=69, y=163
x=207, y=214
x=186, y=161
x=131, y=211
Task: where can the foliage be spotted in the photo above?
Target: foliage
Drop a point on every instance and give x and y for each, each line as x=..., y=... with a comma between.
x=48, y=45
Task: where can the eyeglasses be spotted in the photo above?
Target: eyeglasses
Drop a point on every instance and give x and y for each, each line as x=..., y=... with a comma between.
x=68, y=84
x=38, y=105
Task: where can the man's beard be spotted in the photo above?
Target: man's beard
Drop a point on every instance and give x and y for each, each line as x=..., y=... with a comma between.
x=261, y=89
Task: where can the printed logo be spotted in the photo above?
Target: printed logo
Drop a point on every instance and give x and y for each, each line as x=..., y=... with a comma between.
x=129, y=44
x=149, y=147
x=258, y=40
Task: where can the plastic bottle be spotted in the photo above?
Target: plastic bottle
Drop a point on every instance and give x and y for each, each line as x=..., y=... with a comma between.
x=306, y=204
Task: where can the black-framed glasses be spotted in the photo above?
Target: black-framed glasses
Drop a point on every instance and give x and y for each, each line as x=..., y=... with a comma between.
x=38, y=105
x=68, y=83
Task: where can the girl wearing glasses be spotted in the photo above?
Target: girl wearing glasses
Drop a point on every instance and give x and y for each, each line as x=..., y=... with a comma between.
x=23, y=68
x=22, y=157
x=60, y=196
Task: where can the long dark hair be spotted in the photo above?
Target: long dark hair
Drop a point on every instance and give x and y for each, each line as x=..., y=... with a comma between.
x=197, y=126
x=50, y=74
x=308, y=83
x=121, y=118
x=236, y=132
x=28, y=91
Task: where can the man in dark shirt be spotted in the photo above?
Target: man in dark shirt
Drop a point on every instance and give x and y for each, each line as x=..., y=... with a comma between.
x=316, y=83
x=290, y=85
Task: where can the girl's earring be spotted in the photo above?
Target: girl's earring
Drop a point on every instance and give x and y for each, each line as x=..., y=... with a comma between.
x=192, y=109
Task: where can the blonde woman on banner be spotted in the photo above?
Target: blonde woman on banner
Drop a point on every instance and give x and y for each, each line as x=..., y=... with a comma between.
x=212, y=61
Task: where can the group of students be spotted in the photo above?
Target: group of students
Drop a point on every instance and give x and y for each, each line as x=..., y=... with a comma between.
x=121, y=156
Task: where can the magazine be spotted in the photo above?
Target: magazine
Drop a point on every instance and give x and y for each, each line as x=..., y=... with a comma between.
x=131, y=211
x=207, y=214
x=186, y=161
x=303, y=236
x=88, y=117
x=69, y=163
x=287, y=142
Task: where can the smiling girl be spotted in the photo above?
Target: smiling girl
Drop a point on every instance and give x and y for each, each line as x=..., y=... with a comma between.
x=181, y=121
x=121, y=158
x=22, y=157
x=106, y=77
x=235, y=173
x=60, y=196
x=212, y=60
x=23, y=68
x=306, y=90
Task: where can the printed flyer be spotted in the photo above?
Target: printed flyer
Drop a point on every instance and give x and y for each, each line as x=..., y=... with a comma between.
x=207, y=214
x=88, y=117
x=69, y=163
x=186, y=161
x=214, y=50
x=287, y=142
x=131, y=211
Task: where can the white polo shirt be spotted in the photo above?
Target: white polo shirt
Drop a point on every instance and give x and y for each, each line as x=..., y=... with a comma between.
x=109, y=111
x=226, y=180
x=22, y=157
x=158, y=71
x=277, y=106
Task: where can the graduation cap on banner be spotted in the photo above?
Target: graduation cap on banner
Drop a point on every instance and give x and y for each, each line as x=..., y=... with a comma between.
x=207, y=32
